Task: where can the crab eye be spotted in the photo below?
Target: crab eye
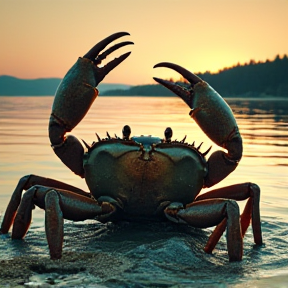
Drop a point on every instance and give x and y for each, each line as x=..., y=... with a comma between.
x=168, y=134
x=126, y=131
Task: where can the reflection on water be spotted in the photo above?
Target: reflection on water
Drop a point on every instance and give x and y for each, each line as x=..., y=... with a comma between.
x=265, y=123
x=25, y=149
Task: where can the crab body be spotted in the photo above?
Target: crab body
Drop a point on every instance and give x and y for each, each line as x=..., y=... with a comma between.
x=144, y=174
x=141, y=177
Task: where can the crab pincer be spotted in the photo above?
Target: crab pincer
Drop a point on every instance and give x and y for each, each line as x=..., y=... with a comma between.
x=75, y=95
x=214, y=117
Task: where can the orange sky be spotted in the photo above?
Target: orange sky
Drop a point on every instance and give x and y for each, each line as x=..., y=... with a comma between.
x=43, y=38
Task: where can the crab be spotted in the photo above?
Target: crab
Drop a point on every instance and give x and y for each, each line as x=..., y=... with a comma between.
x=140, y=178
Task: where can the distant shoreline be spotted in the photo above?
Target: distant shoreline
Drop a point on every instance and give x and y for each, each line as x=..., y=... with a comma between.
x=251, y=80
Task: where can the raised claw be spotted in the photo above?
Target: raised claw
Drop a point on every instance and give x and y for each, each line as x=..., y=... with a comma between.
x=75, y=95
x=77, y=91
x=214, y=117
x=209, y=109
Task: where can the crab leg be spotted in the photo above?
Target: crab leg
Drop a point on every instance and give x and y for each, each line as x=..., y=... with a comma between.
x=240, y=192
x=214, y=117
x=75, y=95
x=54, y=224
x=211, y=212
x=25, y=183
x=58, y=204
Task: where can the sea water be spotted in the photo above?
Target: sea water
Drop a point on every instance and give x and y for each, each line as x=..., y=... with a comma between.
x=152, y=254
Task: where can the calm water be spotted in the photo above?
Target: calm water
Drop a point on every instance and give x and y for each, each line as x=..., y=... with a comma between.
x=25, y=149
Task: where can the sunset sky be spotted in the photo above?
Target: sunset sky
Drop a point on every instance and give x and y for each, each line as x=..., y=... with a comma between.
x=43, y=38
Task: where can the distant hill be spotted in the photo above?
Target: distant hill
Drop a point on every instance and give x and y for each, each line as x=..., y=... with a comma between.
x=269, y=78
x=251, y=79
x=12, y=86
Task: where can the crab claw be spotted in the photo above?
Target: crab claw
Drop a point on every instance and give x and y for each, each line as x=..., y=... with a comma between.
x=214, y=117
x=183, y=92
x=209, y=109
x=77, y=91
x=75, y=95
